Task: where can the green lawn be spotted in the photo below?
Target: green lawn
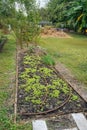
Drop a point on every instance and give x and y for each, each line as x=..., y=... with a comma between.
x=7, y=73
x=7, y=67
x=72, y=52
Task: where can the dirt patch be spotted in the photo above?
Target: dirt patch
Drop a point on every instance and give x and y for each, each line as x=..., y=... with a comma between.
x=51, y=32
x=61, y=122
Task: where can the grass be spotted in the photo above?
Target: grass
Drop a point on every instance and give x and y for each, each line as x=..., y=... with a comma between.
x=7, y=73
x=7, y=67
x=70, y=51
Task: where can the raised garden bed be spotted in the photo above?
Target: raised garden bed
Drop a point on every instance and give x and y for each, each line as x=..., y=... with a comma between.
x=3, y=40
x=41, y=90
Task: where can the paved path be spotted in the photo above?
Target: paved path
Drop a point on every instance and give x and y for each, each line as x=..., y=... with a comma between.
x=80, y=121
x=39, y=125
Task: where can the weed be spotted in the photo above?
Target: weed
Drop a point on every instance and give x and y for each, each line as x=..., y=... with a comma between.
x=47, y=59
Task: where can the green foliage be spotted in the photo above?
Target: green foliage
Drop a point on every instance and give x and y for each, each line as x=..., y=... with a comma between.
x=46, y=71
x=69, y=14
x=47, y=59
x=43, y=14
x=6, y=123
x=65, y=90
x=23, y=20
x=77, y=15
x=55, y=94
x=38, y=90
x=74, y=97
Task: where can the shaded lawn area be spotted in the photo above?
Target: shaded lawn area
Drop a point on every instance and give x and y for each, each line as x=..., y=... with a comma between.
x=70, y=51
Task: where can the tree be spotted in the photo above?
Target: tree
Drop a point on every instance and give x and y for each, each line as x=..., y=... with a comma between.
x=23, y=17
x=6, y=9
x=78, y=15
x=43, y=14
x=56, y=9
x=73, y=14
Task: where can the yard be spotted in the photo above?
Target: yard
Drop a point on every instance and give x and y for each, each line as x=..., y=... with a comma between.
x=69, y=51
x=30, y=85
x=72, y=52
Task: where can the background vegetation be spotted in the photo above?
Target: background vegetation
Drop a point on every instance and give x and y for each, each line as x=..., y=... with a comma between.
x=22, y=17
x=68, y=14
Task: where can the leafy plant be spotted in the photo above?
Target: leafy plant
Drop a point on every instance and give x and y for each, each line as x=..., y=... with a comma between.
x=46, y=71
x=47, y=59
x=40, y=85
x=74, y=97
x=55, y=93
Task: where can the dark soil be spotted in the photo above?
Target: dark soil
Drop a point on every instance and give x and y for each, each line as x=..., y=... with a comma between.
x=61, y=122
x=49, y=105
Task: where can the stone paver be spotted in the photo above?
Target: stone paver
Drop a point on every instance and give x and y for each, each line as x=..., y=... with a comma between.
x=39, y=125
x=80, y=121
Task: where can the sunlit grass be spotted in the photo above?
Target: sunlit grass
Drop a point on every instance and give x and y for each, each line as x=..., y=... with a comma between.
x=70, y=51
x=7, y=67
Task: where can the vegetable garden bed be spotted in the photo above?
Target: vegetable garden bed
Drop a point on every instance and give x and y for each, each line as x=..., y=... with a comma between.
x=41, y=90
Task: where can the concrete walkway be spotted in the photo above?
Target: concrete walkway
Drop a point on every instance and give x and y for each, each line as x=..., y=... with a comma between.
x=39, y=125
x=80, y=121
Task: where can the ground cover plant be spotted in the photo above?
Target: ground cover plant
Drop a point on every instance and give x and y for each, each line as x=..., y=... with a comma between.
x=71, y=52
x=40, y=87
